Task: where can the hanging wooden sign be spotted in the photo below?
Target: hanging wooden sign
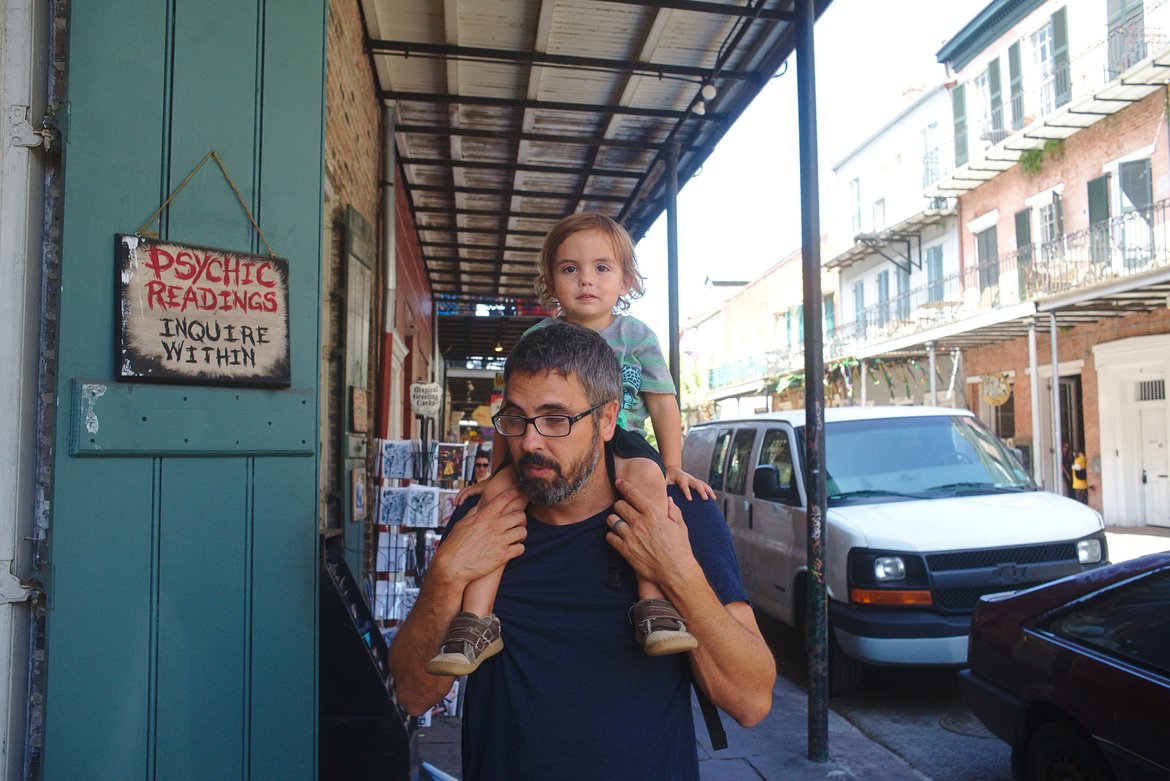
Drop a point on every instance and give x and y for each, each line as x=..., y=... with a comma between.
x=199, y=315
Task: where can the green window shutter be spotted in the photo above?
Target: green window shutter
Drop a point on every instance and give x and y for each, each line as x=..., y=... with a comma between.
x=1098, y=200
x=1136, y=185
x=1127, y=39
x=829, y=315
x=1060, y=67
x=993, y=83
x=1023, y=229
x=1024, y=252
x=1016, y=85
x=959, y=108
x=1099, y=219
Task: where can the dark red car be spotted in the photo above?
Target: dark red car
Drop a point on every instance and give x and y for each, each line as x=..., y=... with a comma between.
x=1075, y=674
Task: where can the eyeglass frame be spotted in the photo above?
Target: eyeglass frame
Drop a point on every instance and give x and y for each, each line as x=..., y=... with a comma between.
x=532, y=422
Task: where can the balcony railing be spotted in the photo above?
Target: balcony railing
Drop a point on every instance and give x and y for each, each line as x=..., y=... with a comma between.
x=1126, y=245
x=1080, y=77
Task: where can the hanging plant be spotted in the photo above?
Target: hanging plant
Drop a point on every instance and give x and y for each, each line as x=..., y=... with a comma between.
x=1032, y=160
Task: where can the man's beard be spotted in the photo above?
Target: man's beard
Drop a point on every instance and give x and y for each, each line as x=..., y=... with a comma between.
x=560, y=488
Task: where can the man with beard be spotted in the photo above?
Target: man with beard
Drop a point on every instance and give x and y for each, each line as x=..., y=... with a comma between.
x=571, y=695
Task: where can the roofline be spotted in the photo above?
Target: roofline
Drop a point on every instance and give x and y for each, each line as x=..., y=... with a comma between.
x=926, y=94
x=987, y=27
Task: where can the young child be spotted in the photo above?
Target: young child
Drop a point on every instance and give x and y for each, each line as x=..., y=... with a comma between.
x=588, y=274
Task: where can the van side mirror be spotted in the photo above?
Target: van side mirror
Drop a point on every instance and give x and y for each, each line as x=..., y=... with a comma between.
x=766, y=485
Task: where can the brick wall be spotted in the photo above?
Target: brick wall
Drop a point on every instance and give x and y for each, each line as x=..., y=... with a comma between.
x=1078, y=162
x=1073, y=344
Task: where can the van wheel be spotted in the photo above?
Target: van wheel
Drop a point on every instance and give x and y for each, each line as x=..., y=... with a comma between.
x=844, y=671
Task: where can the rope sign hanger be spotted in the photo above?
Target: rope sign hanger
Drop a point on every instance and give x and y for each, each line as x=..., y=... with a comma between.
x=214, y=156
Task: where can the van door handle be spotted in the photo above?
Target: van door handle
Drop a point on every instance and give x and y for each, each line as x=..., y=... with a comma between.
x=750, y=508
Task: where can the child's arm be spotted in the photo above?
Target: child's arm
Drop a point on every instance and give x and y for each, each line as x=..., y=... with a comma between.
x=475, y=489
x=667, y=420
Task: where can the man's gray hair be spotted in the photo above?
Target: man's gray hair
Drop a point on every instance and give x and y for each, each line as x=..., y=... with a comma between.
x=571, y=351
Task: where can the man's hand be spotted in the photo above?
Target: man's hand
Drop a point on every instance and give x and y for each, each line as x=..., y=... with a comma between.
x=652, y=539
x=489, y=536
x=732, y=663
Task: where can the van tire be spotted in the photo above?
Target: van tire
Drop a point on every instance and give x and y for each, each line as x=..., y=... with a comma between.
x=845, y=672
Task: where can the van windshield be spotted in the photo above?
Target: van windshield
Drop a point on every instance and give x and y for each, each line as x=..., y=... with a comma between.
x=894, y=459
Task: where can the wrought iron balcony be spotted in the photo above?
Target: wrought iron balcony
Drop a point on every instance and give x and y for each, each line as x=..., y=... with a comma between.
x=1127, y=245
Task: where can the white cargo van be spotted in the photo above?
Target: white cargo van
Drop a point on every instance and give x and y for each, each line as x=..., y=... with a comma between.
x=927, y=511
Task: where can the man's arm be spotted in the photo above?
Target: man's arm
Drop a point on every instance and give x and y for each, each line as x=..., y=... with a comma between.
x=485, y=539
x=732, y=664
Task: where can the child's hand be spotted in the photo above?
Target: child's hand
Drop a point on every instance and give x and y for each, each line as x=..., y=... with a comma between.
x=687, y=483
x=468, y=491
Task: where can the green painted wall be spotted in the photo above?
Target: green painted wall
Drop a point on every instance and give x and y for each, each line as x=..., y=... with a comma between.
x=182, y=589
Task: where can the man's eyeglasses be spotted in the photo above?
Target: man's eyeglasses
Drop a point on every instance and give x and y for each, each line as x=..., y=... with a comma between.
x=546, y=425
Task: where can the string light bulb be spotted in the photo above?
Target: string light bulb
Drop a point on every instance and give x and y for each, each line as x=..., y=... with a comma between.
x=499, y=347
x=708, y=91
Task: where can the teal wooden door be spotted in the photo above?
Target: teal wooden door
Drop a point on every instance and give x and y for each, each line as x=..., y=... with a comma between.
x=181, y=626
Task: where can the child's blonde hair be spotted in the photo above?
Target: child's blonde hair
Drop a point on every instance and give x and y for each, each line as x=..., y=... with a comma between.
x=623, y=248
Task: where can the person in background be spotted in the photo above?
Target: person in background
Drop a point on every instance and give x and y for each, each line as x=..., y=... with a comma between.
x=482, y=468
x=587, y=275
x=570, y=697
x=1080, y=479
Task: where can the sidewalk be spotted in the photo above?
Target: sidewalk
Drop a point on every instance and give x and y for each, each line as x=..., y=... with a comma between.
x=774, y=750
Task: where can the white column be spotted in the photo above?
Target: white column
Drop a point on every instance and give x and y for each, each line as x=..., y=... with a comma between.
x=933, y=376
x=1034, y=389
x=1056, y=463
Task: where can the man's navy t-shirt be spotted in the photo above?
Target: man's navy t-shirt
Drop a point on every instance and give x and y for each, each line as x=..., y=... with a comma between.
x=572, y=695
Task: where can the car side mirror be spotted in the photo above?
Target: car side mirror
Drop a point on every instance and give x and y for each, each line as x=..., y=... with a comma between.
x=766, y=485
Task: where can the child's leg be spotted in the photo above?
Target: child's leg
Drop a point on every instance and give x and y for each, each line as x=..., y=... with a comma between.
x=658, y=626
x=475, y=633
x=645, y=474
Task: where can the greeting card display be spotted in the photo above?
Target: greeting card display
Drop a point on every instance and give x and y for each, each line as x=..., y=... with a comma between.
x=391, y=505
x=398, y=458
x=422, y=507
x=447, y=464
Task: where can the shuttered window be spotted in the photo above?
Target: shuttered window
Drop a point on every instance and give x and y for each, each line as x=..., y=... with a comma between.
x=959, y=110
x=1016, y=85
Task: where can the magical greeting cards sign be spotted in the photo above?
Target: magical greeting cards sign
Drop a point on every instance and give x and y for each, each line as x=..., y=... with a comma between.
x=201, y=315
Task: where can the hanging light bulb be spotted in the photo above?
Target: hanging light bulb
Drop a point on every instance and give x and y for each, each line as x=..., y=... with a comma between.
x=708, y=91
x=499, y=347
x=699, y=109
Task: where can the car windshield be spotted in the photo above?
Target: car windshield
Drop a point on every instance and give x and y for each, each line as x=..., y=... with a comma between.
x=894, y=459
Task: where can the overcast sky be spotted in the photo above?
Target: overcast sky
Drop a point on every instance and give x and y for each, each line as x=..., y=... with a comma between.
x=741, y=213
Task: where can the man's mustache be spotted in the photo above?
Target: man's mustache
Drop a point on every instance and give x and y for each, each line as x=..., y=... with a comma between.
x=535, y=459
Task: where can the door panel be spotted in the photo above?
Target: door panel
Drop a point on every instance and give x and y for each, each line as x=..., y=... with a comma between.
x=780, y=530
x=1155, y=466
x=100, y=629
x=182, y=595
x=202, y=537
x=736, y=506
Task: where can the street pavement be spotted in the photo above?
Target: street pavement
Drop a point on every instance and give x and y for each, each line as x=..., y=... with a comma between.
x=777, y=748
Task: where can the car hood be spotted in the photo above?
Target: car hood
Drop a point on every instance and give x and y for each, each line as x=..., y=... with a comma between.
x=986, y=521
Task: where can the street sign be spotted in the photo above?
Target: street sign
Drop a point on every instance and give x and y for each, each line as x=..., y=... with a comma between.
x=425, y=398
